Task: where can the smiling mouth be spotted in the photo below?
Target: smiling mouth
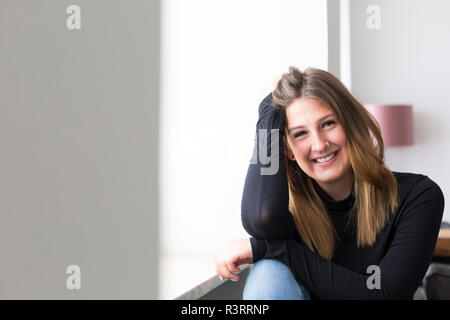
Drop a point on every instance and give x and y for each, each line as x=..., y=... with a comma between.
x=326, y=158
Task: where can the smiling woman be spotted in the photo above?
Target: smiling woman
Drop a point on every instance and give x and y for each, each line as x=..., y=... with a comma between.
x=306, y=99
x=334, y=211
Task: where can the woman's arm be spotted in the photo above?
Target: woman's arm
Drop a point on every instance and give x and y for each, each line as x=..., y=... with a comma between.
x=401, y=269
x=265, y=199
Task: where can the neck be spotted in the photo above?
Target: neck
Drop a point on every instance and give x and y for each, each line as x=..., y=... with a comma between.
x=339, y=189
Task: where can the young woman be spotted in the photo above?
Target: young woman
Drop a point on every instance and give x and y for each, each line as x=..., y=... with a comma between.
x=333, y=222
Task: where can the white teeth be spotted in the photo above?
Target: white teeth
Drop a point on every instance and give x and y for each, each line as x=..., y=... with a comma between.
x=325, y=159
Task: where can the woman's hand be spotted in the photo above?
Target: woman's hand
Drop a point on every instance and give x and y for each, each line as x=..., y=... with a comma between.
x=235, y=253
x=270, y=87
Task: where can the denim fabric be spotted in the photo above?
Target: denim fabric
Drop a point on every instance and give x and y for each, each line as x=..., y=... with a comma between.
x=272, y=280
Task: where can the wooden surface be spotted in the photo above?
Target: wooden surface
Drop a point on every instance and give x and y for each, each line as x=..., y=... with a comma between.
x=443, y=244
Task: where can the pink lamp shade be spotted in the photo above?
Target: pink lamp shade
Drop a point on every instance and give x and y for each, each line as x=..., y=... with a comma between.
x=396, y=122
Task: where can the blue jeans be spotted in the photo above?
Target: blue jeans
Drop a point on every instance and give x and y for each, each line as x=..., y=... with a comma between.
x=272, y=280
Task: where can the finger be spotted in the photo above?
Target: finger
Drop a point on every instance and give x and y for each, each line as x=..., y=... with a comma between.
x=231, y=266
x=217, y=265
x=220, y=268
x=222, y=272
x=218, y=273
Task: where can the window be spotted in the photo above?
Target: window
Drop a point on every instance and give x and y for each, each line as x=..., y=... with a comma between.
x=218, y=60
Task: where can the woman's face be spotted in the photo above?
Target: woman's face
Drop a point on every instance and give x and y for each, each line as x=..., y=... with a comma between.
x=309, y=142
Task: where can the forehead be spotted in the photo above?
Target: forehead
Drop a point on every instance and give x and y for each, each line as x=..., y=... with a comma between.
x=306, y=111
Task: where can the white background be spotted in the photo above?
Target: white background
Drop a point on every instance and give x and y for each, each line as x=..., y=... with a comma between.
x=218, y=60
x=218, y=57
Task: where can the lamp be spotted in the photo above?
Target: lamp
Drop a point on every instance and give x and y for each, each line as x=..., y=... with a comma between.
x=396, y=123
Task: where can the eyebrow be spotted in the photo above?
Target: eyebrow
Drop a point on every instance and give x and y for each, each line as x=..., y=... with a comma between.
x=321, y=119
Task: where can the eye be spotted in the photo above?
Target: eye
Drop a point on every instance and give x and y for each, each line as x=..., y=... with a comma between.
x=325, y=124
x=330, y=122
x=298, y=134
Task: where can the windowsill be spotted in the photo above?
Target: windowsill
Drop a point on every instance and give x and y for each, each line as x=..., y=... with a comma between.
x=187, y=277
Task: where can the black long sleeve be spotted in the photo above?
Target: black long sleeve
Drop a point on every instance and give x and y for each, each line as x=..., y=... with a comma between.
x=402, y=252
x=264, y=206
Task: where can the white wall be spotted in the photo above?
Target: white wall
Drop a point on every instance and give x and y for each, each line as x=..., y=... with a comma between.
x=406, y=61
x=217, y=59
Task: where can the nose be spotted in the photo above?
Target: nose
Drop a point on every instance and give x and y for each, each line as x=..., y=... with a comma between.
x=319, y=144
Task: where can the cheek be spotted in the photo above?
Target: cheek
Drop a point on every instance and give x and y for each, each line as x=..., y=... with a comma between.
x=345, y=156
x=341, y=138
x=301, y=152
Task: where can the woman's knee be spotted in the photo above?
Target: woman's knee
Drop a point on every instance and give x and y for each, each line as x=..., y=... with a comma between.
x=272, y=280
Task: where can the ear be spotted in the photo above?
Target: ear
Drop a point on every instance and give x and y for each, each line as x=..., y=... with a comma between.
x=287, y=150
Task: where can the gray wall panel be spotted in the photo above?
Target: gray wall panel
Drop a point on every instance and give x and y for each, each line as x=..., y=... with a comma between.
x=79, y=149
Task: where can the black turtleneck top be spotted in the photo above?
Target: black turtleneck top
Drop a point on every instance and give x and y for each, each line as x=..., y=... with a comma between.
x=403, y=249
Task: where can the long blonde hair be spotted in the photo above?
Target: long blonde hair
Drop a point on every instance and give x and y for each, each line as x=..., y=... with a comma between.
x=375, y=186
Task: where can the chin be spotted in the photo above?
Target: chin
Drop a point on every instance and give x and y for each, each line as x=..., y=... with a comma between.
x=327, y=177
